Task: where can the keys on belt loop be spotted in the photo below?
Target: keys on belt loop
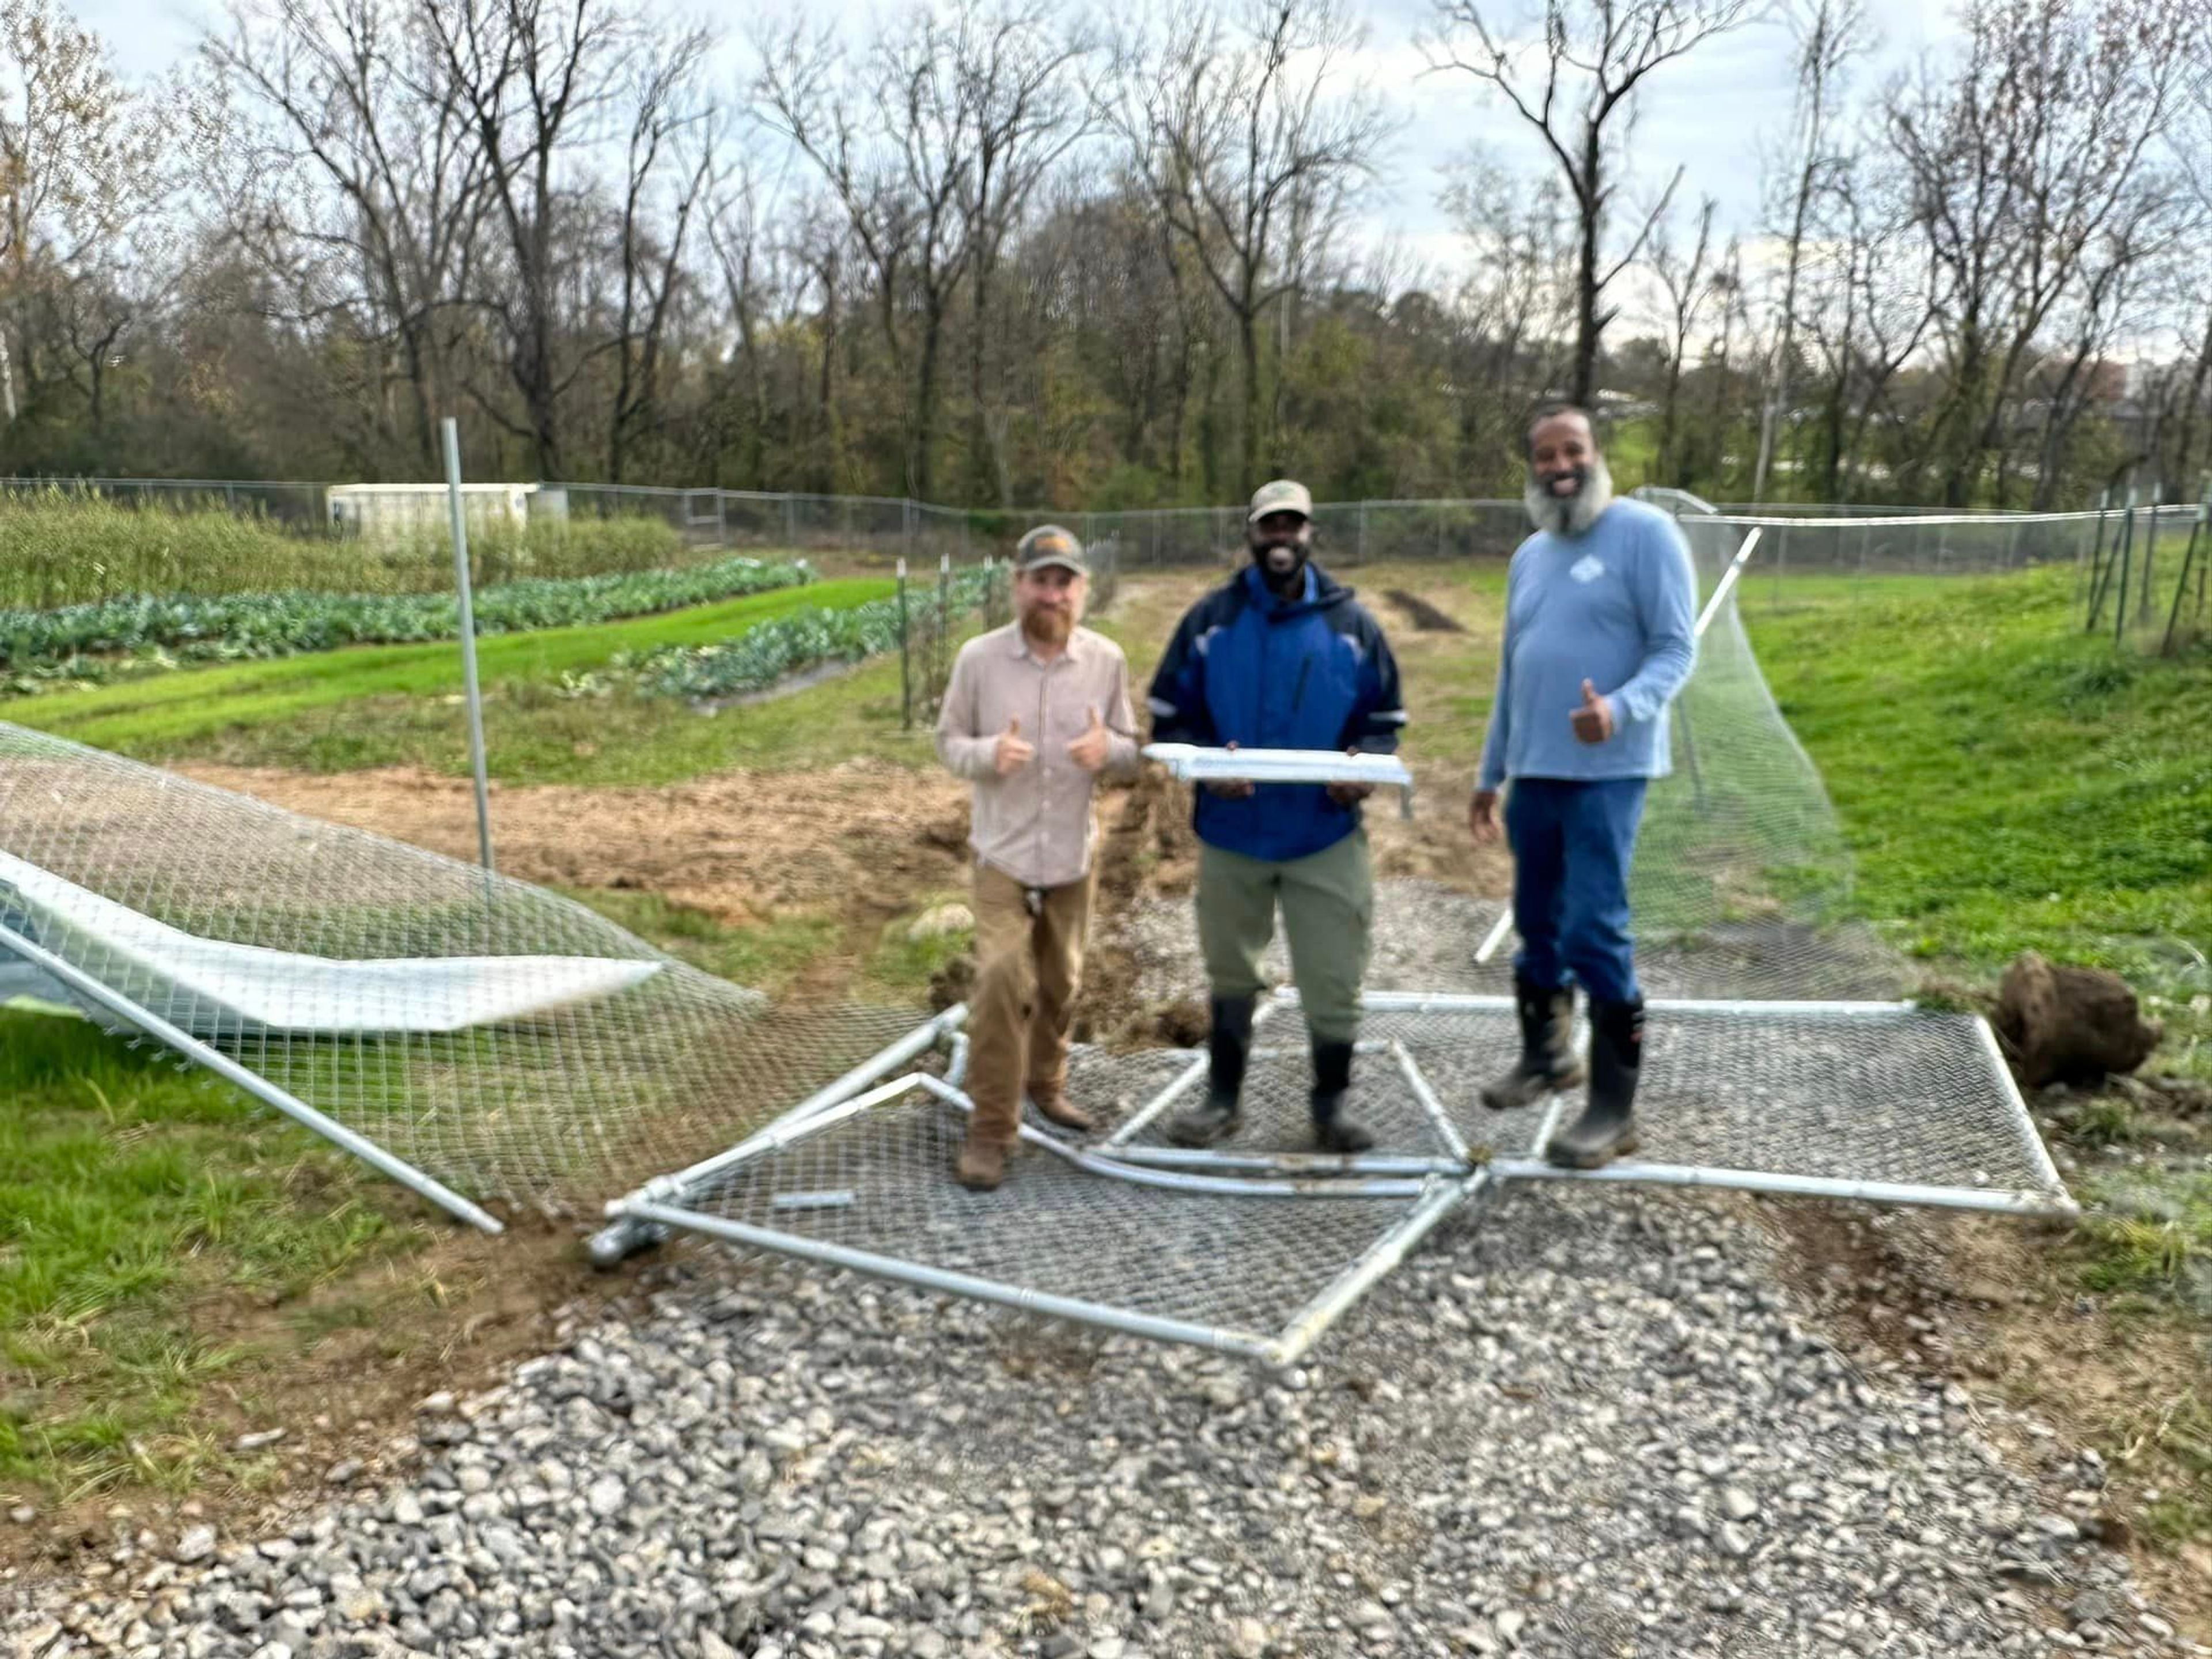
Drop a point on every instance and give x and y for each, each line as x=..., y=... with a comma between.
x=1034, y=897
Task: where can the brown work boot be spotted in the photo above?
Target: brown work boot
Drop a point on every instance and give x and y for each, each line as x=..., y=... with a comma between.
x=982, y=1165
x=1054, y=1107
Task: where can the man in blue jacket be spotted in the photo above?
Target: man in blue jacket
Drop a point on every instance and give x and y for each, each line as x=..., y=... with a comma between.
x=1599, y=635
x=1281, y=658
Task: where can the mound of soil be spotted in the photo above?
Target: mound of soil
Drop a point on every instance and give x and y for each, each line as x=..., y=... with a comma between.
x=1424, y=617
x=2066, y=1025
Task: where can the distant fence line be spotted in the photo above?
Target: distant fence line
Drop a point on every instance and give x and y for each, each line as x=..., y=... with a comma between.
x=2162, y=568
x=1353, y=532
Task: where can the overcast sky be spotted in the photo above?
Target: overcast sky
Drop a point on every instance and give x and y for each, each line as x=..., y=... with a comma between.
x=1713, y=111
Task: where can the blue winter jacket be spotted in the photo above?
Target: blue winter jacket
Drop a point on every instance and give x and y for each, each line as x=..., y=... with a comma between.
x=1263, y=672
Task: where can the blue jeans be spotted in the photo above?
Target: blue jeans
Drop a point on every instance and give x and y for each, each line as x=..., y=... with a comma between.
x=1572, y=845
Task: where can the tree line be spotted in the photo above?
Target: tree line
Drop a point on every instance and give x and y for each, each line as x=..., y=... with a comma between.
x=998, y=252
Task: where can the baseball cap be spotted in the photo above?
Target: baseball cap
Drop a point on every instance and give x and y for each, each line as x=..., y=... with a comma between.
x=1281, y=496
x=1049, y=544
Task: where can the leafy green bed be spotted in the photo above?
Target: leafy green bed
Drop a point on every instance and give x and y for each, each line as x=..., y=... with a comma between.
x=805, y=639
x=90, y=641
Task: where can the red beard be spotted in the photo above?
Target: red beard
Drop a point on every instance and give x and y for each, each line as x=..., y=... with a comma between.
x=1048, y=627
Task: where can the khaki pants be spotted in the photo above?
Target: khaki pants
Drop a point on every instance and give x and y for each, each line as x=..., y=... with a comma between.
x=1328, y=916
x=1028, y=970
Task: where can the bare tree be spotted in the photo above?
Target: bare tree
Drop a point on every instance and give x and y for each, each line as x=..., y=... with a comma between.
x=2020, y=157
x=2098, y=314
x=1828, y=35
x=1573, y=79
x=670, y=150
x=535, y=79
x=1516, y=307
x=368, y=170
x=1871, y=306
x=2191, y=144
x=1232, y=125
x=78, y=158
x=895, y=140
x=1688, y=284
x=1013, y=64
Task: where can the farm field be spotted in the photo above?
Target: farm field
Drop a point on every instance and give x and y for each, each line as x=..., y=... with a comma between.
x=2003, y=784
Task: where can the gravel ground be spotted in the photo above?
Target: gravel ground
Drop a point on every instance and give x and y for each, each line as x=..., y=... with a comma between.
x=1578, y=1424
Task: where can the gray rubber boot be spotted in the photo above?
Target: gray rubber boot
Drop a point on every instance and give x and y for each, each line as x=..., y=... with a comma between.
x=1221, y=1114
x=1607, y=1129
x=1548, y=1061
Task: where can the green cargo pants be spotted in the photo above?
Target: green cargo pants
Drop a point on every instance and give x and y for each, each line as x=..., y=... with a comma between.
x=1328, y=915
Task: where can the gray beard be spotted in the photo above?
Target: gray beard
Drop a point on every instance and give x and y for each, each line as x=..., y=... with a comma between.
x=1574, y=514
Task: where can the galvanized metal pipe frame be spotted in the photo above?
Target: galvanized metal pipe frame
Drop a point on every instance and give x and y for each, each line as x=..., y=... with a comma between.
x=1117, y=1168
x=1436, y=1199
x=2056, y=1202
x=667, y=1217
x=1773, y=1184
x=84, y=985
x=627, y=1234
x=1385, y=1254
x=1438, y=1186
x=1145, y=1115
x=1462, y=1002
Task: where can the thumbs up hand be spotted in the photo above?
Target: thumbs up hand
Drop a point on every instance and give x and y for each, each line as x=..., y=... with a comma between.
x=1089, y=750
x=1012, y=753
x=1593, y=721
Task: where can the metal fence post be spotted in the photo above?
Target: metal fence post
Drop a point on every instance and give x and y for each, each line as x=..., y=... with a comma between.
x=940, y=663
x=468, y=638
x=906, y=656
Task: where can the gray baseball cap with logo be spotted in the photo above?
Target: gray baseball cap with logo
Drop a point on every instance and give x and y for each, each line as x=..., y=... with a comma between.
x=1283, y=496
x=1049, y=544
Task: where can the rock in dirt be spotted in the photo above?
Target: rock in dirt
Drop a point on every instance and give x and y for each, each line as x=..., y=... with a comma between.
x=941, y=921
x=2067, y=1024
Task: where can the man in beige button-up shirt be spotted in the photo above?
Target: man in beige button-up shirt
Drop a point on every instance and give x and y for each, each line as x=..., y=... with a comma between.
x=1036, y=713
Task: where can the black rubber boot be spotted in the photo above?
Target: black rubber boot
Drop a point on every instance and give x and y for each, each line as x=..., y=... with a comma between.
x=1222, y=1113
x=1333, y=1132
x=1547, y=1055
x=1606, y=1128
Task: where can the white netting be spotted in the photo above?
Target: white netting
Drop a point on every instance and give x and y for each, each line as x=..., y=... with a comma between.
x=1743, y=880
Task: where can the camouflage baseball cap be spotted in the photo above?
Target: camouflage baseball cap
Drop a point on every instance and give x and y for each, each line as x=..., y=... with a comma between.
x=1280, y=497
x=1049, y=544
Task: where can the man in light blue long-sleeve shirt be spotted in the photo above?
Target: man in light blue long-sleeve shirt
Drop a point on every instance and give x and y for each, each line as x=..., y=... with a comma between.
x=1599, y=635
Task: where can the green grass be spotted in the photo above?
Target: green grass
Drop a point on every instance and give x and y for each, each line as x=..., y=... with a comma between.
x=398, y=704
x=2003, y=782
x=60, y=548
x=766, y=956
x=128, y=1194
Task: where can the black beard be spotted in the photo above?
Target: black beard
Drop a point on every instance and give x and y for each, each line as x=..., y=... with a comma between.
x=1300, y=554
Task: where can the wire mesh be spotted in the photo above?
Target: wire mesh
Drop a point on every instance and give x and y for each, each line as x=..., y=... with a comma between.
x=603, y=1061
x=1889, y=1101
x=1276, y=1105
x=1234, y=1271
x=1896, y=1097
